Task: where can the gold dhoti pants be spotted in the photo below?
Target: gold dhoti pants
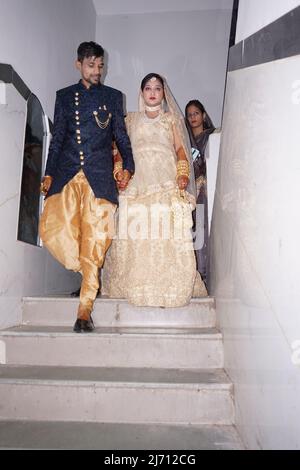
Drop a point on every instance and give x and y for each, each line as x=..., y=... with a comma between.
x=77, y=229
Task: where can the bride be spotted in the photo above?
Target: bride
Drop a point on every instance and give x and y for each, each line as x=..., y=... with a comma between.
x=151, y=261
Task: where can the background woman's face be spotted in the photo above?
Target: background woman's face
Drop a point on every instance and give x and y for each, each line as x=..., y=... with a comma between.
x=195, y=117
x=153, y=93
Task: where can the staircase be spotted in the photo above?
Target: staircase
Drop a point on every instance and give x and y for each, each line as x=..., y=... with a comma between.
x=147, y=378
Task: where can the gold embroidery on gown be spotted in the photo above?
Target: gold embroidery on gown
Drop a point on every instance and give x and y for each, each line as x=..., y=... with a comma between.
x=158, y=268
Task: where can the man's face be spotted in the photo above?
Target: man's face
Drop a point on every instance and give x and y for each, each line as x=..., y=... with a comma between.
x=91, y=70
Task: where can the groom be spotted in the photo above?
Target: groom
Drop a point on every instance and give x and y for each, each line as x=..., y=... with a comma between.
x=80, y=182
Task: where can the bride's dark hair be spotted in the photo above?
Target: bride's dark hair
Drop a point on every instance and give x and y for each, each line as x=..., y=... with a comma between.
x=148, y=77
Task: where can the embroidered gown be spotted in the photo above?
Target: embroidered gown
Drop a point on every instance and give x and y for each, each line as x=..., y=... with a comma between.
x=152, y=260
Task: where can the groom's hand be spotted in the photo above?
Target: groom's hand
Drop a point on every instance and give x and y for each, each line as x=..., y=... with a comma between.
x=45, y=185
x=119, y=176
x=123, y=183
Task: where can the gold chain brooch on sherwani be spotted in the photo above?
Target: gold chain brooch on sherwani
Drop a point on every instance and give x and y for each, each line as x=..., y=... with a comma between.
x=102, y=124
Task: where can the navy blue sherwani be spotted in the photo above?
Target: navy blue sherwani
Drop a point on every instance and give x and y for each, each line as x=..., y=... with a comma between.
x=85, y=123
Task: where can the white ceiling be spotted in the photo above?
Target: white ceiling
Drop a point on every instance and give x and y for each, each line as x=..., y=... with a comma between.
x=125, y=7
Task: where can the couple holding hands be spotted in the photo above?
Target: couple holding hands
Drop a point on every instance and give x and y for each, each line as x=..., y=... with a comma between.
x=98, y=161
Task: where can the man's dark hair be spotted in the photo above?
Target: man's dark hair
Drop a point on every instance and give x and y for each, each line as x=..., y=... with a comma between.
x=89, y=49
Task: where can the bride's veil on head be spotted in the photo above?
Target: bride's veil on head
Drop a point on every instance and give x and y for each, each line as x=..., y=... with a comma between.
x=170, y=105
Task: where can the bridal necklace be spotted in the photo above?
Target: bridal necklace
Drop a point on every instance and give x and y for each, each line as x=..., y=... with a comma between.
x=152, y=109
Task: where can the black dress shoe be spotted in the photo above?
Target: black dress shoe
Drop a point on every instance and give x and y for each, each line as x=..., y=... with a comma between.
x=83, y=326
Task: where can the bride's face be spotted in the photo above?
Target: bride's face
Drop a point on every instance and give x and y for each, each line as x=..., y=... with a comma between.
x=153, y=93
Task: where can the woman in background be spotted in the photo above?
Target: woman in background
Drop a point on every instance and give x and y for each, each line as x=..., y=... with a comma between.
x=200, y=127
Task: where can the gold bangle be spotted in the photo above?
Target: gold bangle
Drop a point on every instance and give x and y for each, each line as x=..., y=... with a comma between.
x=183, y=168
x=46, y=179
x=183, y=164
x=182, y=174
x=118, y=166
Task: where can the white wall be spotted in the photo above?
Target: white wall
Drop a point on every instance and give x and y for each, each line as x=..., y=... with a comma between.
x=188, y=48
x=255, y=14
x=255, y=250
x=25, y=270
x=129, y=7
x=39, y=39
x=212, y=159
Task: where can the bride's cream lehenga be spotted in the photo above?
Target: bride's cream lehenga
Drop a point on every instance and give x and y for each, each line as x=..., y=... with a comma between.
x=152, y=262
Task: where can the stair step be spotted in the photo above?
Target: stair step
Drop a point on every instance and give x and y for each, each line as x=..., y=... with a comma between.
x=113, y=347
x=51, y=311
x=116, y=395
x=115, y=436
x=145, y=378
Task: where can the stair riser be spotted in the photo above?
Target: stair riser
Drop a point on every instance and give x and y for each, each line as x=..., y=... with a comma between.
x=114, y=351
x=102, y=404
x=63, y=313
